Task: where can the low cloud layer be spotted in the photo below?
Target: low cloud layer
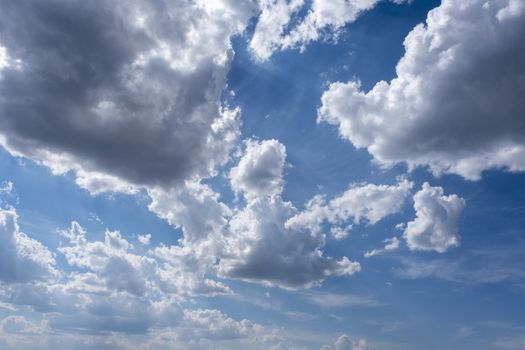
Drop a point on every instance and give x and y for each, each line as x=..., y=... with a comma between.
x=455, y=105
x=345, y=343
x=109, y=294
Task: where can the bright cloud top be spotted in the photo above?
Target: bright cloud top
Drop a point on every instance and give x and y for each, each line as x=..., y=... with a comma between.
x=276, y=29
x=455, y=104
x=436, y=224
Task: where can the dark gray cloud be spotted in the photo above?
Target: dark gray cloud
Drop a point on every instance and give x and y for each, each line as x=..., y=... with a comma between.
x=126, y=90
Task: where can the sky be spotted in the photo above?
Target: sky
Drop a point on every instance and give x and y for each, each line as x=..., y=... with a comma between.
x=262, y=174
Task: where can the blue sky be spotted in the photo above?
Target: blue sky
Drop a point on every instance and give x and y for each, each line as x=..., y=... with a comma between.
x=272, y=174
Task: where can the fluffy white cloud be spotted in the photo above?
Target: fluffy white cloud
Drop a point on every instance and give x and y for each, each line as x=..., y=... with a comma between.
x=144, y=239
x=113, y=266
x=196, y=208
x=369, y=202
x=122, y=94
x=214, y=325
x=455, y=105
x=274, y=30
x=274, y=18
x=261, y=249
x=260, y=170
x=257, y=246
x=22, y=259
x=436, y=224
x=391, y=244
x=249, y=243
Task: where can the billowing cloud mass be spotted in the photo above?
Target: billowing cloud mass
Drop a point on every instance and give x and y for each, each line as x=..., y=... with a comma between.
x=276, y=30
x=436, y=224
x=258, y=246
x=261, y=249
x=250, y=243
x=121, y=93
x=22, y=259
x=369, y=203
x=455, y=105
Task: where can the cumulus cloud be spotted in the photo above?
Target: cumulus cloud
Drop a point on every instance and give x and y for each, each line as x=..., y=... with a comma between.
x=22, y=259
x=369, y=203
x=260, y=170
x=436, y=224
x=179, y=207
x=144, y=239
x=250, y=242
x=391, y=244
x=455, y=105
x=122, y=94
x=261, y=249
x=345, y=343
x=113, y=264
x=256, y=245
x=276, y=28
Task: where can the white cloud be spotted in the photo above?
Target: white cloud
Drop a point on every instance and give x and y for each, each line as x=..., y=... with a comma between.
x=436, y=224
x=274, y=18
x=259, y=248
x=391, y=244
x=455, y=105
x=144, y=239
x=368, y=202
x=196, y=208
x=132, y=101
x=249, y=243
x=22, y=259
x=275, y=29
x=260, y=170
x=331, y=300
x=345, y=343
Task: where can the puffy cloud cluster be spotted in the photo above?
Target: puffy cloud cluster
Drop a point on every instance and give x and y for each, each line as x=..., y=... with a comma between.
x=252, y=242
x=258, y=245
x=108, y=288
x=436, y=224
x=368, y=202
x=122, y=94
x=261, y=249
x=455, y=105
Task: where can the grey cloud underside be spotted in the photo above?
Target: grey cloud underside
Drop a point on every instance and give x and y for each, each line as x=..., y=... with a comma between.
x=117, y=88
x=261, y=249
